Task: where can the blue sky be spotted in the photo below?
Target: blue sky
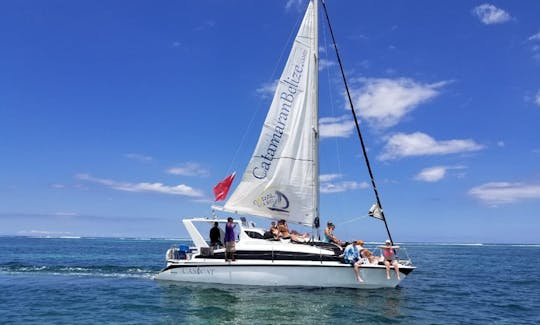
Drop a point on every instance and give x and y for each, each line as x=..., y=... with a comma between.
x=117, y=118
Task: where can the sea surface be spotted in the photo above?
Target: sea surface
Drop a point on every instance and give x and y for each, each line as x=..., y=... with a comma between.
x=110, y=280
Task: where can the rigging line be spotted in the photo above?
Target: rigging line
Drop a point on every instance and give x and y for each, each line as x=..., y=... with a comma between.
x=364, y=151
x=353, y=219
x=262, y=98
x=333, y=109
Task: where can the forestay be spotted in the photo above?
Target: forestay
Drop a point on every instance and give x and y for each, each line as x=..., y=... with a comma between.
x=281, y=180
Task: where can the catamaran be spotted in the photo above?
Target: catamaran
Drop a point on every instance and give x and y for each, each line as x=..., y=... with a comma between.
x=281, y=181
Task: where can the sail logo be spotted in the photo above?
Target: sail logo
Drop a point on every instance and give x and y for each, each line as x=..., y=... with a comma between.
x=274, y=200
x=286, y=95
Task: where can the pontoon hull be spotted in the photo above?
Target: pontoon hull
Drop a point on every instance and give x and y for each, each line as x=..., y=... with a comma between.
x=282, y=273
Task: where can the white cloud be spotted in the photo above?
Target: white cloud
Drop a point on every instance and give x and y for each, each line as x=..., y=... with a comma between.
x=500, y=144
x=489, y=14
x=537, y=100
x=181, y=189
x=329, y=177
x=43, y=233
x=432, y=174
x=535, y=47
x=268, y=89
x=384, y=102
x=298, y=4
x=188, y=169
x=335, y=127
x=323, y=64
x=342, y=186
x=535, y=37
x=138, y=157
x=435, y=173
x=66, y=214
x=328, y=184
x=420, y=144
x=503, y=192
x=208, y=24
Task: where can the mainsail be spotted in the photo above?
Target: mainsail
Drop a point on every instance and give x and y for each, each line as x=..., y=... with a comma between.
x=281, y=179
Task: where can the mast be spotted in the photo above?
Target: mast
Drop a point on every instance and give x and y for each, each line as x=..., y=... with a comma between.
x=364, y=151
x=315, y=121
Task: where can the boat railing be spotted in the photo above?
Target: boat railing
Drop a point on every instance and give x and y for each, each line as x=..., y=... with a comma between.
x=401, y=255
x=180, y=252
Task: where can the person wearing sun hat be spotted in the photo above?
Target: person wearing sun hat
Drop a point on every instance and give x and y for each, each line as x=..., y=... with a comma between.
x=390, y=258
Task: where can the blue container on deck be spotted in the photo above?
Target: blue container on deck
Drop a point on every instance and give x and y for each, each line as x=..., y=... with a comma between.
x=183, y=248
x=182, y=252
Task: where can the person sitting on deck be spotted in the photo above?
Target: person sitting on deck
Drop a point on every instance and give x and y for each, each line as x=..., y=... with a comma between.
x=390, y=258
x=283, y=230
x=351, y=255
x=293, y=235
x=298, y=237
x=329, y=236
x=273, y=232
x=368, y=258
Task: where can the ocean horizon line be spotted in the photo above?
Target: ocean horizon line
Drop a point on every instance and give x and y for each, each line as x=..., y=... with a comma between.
x=438, y=243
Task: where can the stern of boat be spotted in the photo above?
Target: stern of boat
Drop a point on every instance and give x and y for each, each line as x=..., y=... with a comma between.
x=178, y=253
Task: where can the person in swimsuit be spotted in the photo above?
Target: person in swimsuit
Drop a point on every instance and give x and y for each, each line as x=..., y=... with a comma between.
x=274, y=230
x=389, y=258
x=329, y=236
x=368, y=258
x=283, y=230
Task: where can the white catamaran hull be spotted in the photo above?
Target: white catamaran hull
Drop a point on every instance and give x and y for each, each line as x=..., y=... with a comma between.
x=282, y=273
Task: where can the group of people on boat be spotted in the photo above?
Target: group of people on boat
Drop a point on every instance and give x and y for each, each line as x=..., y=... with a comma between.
x=354, y=253
x=230, y=241
x=281, y=231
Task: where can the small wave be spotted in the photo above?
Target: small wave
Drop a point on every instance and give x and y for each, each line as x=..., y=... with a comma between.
x=151, y=238
x=55, y=237
x=525, y=245
x=133, y=238
x=99, y=271
x=447, y=244
x=476, y=244
x=466, y=244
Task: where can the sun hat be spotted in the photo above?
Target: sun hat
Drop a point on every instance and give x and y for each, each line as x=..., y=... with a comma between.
x=388, y=241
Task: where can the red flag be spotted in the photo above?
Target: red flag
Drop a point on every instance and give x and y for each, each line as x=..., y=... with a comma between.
x=222, y=188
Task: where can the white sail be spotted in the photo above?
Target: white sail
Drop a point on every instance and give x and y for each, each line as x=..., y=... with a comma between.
x=281, y=180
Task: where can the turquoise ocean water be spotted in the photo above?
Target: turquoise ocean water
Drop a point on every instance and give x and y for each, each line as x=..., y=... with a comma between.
x=105, y=280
